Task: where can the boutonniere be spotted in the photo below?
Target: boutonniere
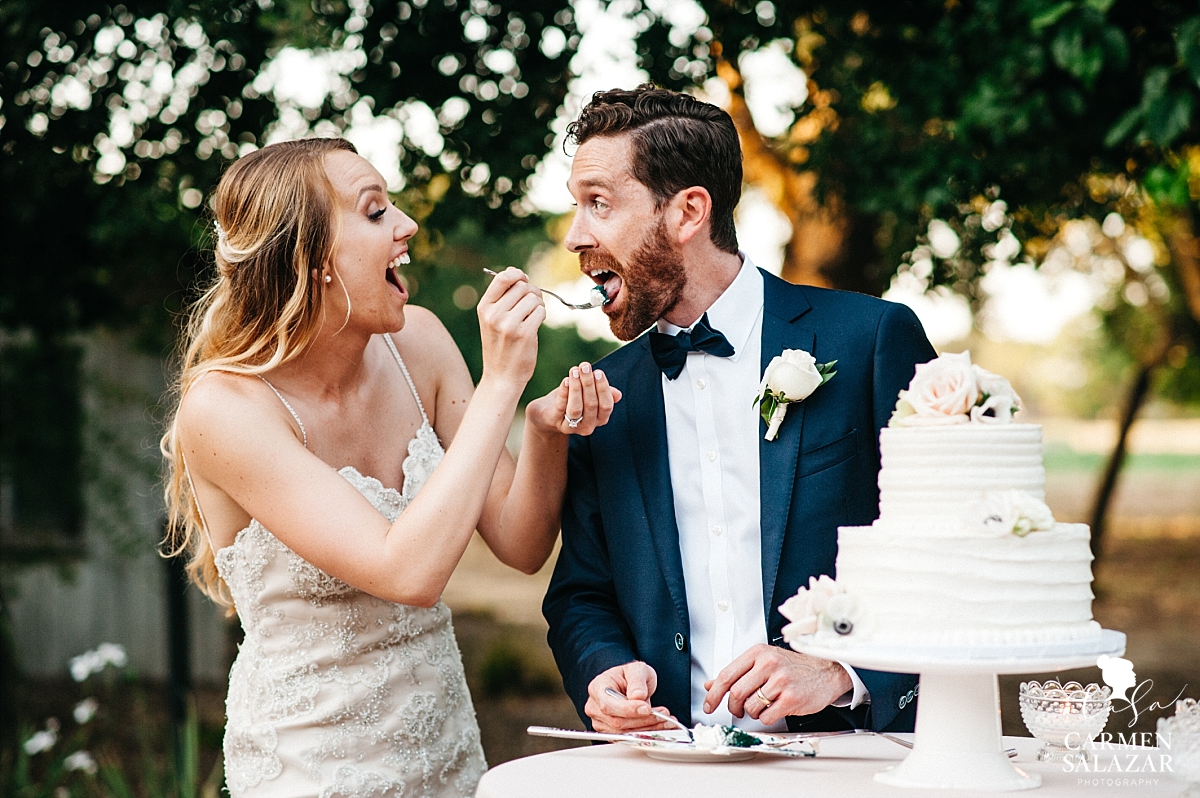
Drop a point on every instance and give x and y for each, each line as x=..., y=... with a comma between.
x=790, y=377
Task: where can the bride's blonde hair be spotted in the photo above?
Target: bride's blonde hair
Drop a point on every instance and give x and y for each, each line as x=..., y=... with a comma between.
x=275, y=223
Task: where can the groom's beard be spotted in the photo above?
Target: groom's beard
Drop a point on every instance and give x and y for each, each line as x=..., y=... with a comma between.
x=651, y=282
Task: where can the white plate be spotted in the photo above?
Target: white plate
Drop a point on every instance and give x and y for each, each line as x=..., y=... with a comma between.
x=670, y=752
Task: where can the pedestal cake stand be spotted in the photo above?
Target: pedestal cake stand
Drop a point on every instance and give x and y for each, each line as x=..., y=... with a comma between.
x=958, y=742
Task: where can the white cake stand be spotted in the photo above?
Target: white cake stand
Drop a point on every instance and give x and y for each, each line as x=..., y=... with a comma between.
x=958, y=742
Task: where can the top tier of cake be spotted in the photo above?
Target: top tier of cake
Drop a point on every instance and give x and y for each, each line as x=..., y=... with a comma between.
x=931, y=473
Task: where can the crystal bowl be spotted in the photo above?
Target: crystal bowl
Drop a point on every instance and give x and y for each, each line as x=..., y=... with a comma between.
x=1065, y=717
x=1179, y=735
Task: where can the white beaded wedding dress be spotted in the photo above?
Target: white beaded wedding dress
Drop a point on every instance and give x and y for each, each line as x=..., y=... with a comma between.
x=336, y=693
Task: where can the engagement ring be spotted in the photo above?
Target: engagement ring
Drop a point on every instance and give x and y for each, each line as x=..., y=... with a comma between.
x=766, y=701
x=572, y=422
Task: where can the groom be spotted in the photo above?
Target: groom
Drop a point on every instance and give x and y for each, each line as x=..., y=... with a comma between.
x=683, y=529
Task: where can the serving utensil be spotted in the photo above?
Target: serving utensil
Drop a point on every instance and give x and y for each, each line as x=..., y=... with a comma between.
x=671, y=745
x=576, y=734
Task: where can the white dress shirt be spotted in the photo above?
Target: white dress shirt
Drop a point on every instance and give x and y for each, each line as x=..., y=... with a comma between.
x=712, y=448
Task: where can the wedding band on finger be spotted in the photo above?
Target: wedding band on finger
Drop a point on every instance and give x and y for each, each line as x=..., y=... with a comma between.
x=766, y=701
x=572, y=422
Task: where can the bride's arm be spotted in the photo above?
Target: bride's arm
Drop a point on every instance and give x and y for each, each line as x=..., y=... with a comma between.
x=252, y=454
x=521, y=529
x=522, y=515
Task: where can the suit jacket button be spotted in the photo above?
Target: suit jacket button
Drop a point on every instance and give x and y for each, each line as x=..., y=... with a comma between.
x=679, y=641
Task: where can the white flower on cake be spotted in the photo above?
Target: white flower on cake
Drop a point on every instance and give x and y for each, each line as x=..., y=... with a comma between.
x=844, y=614
x=790, y=377
x=997, y=401
x=804, y=609
x=951, y=390
x=1011, y=512
x=823, y=606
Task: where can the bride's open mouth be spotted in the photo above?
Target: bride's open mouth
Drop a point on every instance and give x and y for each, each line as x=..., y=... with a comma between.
x=393, y=272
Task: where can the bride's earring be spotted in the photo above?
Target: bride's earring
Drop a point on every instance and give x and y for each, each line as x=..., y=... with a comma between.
x=329, y=278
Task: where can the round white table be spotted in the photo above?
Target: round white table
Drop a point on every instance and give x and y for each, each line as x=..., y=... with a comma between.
x=845, y=768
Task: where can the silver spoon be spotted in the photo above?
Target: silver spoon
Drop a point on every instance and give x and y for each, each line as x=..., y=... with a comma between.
x=597, y=297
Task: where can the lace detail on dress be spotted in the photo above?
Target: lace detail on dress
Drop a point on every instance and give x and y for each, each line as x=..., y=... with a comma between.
x=424, y=454
x=336, y=693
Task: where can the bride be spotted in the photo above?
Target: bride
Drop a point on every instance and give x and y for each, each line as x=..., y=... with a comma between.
x=308, y=481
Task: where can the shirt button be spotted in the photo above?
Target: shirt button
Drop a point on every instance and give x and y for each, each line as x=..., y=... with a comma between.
x=711, y=456
x=717, y=530
x=722, y=605
x=701, y=384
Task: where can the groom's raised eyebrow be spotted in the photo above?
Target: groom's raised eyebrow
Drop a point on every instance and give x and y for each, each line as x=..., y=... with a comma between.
x=595, y=182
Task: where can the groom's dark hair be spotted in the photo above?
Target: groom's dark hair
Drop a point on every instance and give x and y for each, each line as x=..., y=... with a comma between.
x=677, y=142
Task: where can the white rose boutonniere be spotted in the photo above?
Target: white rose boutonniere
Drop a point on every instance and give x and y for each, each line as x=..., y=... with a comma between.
x=790, y=377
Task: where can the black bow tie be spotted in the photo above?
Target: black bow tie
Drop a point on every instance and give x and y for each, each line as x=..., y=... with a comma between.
x=670, y=351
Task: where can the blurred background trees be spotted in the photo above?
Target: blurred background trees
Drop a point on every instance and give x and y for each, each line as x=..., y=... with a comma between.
x=916, y=147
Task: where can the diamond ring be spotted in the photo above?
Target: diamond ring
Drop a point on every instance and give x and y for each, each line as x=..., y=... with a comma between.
x=572, y=422
x=766, y=701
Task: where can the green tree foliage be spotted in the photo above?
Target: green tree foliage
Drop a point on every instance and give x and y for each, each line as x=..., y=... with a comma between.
x=118, y=119
x=916, y=106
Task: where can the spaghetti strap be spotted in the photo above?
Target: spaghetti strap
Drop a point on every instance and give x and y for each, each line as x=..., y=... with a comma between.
x=392, y=346
x=196, y=499
x=295, y=415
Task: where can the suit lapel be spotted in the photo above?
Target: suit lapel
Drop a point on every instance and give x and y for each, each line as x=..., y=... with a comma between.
x=648, y=446
x=784, y=304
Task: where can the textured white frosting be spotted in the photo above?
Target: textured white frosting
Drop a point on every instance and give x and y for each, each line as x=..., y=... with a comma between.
x=932, y=472
x=927, y=575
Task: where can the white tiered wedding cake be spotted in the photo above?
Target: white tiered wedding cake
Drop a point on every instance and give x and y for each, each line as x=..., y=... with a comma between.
x=965, y=551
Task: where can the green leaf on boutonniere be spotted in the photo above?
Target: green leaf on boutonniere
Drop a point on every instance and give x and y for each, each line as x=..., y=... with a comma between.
x=826, y=370
x=767, y=404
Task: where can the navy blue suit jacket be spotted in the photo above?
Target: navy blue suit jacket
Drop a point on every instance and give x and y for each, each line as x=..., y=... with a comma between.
x=617, y=593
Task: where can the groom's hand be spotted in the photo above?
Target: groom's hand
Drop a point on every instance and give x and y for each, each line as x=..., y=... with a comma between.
x=636, y=681
x=793, y=683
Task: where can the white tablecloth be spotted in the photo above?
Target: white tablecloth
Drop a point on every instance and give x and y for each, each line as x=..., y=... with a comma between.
x=844, y=769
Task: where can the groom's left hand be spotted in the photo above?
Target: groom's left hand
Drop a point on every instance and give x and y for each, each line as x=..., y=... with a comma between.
x=793, y=683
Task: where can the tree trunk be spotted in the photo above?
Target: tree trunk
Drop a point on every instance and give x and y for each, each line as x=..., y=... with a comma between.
x=818, y=233
x=1180, y=236
x=1108, y=484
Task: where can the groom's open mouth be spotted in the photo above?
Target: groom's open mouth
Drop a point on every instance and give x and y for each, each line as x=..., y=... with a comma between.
x=610, y=281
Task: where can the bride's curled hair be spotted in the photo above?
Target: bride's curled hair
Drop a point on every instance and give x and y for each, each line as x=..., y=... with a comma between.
x=275, y=222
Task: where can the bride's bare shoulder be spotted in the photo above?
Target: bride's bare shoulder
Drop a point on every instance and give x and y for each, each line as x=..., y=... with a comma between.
x=223, y=401
x=425, y=341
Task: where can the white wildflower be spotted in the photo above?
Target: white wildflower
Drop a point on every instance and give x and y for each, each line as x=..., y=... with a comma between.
x=85, y=710
x=80, y=760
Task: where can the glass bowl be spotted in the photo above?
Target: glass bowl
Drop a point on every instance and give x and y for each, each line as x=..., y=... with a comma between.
x=1179, y=735
x=1065, y=717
